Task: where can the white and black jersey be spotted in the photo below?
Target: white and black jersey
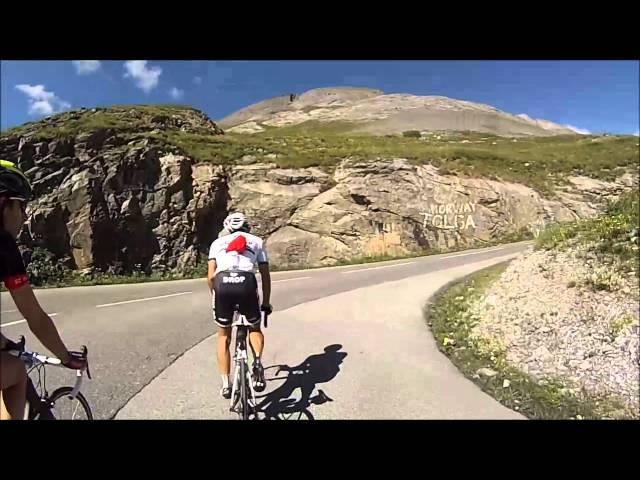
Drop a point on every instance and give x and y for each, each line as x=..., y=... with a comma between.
x=235, y=285
x=234, y=261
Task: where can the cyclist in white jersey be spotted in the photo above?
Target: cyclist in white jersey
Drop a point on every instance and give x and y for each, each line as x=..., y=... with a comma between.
x=232, y=281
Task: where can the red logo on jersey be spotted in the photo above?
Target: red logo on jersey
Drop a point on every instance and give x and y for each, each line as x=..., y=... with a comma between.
x=15, y=282
x=238, y=244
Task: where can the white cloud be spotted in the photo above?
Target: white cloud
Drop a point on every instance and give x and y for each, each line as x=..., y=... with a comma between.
x=37, y=92
x=197, y=80
x=176, y=93
x=145, y=78
x=581, y=131
x=41, y=101
x=41, y=107
x=86, y=67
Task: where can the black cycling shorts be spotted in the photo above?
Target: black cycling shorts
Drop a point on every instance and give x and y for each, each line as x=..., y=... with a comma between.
x=236, y=290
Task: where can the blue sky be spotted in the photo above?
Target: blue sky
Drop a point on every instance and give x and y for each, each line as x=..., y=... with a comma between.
x=598, y=96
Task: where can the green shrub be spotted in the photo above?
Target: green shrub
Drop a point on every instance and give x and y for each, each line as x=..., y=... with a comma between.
x=617, y=325
x=45, y=269
x=619, y=223
x=412, y=134
x=614, y=233
x=604, y=278
x=555, y=235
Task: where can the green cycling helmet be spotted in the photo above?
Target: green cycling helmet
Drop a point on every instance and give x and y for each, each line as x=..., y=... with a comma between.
x=13, y=182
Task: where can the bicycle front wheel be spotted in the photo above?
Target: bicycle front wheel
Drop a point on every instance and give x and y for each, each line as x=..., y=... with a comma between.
x=64, y=407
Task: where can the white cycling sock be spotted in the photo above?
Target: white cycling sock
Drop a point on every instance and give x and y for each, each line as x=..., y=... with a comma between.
x=225, y=381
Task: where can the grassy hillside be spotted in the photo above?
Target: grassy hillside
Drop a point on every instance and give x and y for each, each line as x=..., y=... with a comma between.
x=613, y=237
x=124, y=119
x=535, y=161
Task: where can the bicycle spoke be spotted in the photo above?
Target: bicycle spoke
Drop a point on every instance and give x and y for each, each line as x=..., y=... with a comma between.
x=75, y=410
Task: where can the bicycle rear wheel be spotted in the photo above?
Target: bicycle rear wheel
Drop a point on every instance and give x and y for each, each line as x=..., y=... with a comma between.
x=66, y=408
x=244, y=394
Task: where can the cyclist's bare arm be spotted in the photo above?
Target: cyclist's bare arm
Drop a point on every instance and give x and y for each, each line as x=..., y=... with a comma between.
x=39, y=322
x=211, y=274
x=265, y=274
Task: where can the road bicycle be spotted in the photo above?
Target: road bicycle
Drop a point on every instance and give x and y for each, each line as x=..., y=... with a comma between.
x=42, y=406
x=243, y=395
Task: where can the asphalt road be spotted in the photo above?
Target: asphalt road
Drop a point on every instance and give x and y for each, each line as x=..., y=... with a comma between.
x=134, y=332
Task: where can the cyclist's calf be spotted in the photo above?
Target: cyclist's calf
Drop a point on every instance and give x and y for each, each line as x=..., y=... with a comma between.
x=224, y=333
x=223, y=344
x=256, y=338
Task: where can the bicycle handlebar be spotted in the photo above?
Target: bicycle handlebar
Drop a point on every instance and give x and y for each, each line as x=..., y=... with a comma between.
x=19, y=349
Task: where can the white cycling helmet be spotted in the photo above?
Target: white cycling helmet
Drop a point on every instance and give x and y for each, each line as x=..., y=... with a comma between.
x=234, y=222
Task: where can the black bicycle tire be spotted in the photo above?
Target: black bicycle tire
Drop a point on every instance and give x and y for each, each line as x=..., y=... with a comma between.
x=244, y=403
x=60, y=392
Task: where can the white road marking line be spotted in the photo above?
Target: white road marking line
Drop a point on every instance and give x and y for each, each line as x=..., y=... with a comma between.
x=142, y=299
x=475, y=253
x=290, y=279
x=13, y=323
x=8, y=311
x=22, y=321
x=377, y=268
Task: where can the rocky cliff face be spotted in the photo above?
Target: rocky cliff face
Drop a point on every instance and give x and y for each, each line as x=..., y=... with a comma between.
x=394, y=208
x=112, y=199
x=117, y=197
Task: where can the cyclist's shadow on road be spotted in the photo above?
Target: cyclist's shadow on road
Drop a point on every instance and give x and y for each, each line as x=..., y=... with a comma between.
x=316, y=369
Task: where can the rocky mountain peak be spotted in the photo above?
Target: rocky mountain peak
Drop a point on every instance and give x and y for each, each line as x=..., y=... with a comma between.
x=375, y=112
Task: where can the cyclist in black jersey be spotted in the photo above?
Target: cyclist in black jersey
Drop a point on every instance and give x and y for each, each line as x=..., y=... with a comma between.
x=15, y=192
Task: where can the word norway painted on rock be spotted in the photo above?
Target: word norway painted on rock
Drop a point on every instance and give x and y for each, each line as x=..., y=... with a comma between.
x=450, y=216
